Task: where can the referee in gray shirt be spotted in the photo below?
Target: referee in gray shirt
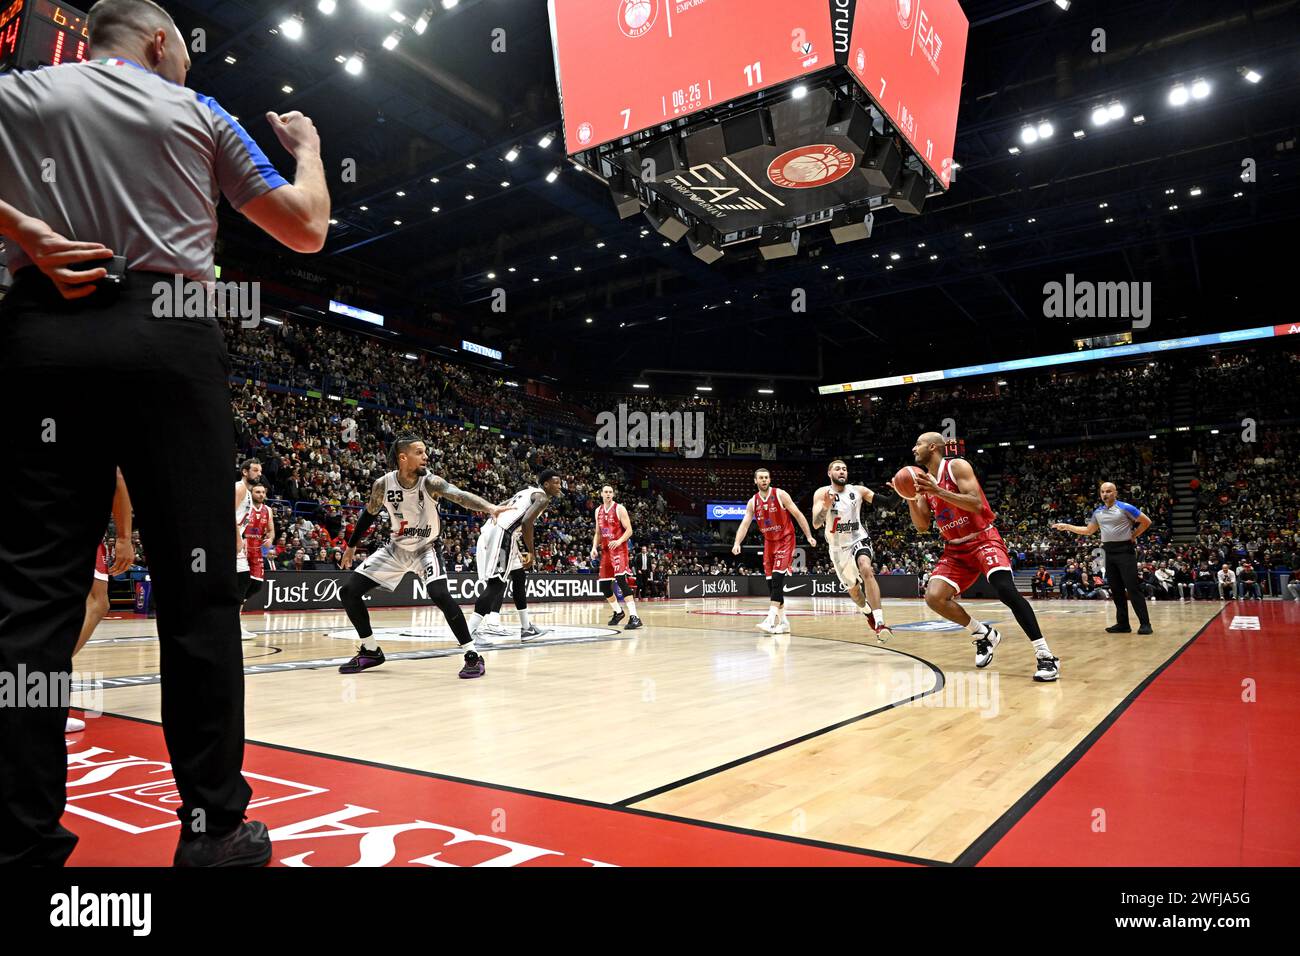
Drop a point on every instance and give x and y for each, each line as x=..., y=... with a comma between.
x=116, y=157
x=1121, y=525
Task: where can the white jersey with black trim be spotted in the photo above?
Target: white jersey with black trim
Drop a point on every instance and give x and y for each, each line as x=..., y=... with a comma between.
x=844, y=524
x=412, y=514
x=242, y=509
x=518, y=507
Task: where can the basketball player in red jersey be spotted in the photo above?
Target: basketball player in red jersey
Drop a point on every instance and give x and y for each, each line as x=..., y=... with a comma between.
x=258, y=527
x=773, y=509
x=97, y=599
x=949, y=495
x=613, y=528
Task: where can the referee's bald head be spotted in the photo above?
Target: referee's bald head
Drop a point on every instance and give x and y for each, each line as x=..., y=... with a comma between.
x=142, y=31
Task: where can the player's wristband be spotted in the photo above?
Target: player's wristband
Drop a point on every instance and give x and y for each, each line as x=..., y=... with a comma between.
x=362, y=526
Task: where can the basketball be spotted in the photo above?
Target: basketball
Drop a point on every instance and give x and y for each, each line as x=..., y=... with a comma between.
x=905, y=483
x=636, y=14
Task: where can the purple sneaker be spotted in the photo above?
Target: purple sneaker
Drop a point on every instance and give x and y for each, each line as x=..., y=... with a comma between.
x=364, y=660
x=473, y=666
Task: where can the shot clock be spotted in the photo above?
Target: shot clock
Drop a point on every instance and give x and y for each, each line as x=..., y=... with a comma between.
x=36, y=33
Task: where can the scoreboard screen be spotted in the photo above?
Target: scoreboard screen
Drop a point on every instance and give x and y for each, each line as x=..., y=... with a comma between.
x=623, y=66
x=908, y=56
x=37, y=33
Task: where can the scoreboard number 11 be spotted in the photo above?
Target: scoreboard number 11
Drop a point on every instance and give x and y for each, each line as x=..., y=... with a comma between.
x=754, y=73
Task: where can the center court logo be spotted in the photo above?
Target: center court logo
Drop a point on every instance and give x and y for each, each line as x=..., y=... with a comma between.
x=636, y=17
x=904, y=11
x=806, y=166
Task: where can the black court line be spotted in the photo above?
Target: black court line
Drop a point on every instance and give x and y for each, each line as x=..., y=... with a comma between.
x=940, y=683
x=985, y=842
x=579, y=801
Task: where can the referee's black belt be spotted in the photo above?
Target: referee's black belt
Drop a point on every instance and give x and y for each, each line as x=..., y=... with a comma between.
x=1119, y=547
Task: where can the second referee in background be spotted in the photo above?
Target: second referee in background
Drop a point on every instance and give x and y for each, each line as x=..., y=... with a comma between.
x=1121, y=525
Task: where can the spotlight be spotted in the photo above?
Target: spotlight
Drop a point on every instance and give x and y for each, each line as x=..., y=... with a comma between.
x=778, y=242
x=666, y=221
x=1045, y=130
x=377, y=6
x=705, y=243
x=1139, y=119
x=512, y=154
x=1079, y=134
x=799, y=92
x=1195, y=191
x=355, y=64
x=850, y=225
x=1200, y=90
x=1100, y=116
x=1028, y=135
x=1063, y=4
x=1178, y=95
x=391, y=41
x=624, y=194
x=553, y=175
x=421, y=24
x=292, y=28
x=327, y=7
x=1249, y=75
x=1014, y=150
x=546, y=140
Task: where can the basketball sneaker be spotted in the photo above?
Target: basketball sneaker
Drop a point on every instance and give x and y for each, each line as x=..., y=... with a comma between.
x=247, y=845
x=74, y=726
x=1049, y=669
x=532, y=631
x=245, y=634
x=780, y=627
x=633, y=623
x=984, y=645
x=883, y=631
x=474, y=666
x=767, y=624
x=496, y=630
x=364, y=660
x=481, y=640
x=618, y=616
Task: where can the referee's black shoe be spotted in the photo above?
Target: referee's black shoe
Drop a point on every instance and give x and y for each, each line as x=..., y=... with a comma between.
x=1145, y=629
x=1120, y=629
x=247, y=845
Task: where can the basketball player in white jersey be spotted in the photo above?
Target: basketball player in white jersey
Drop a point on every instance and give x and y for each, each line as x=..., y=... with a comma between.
x=499, y=556
x=410, y=494
x=250, y=474
x=97, y=599
x=838, y=506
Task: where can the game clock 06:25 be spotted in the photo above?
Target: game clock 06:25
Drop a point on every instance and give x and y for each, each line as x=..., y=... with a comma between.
x=36, y=33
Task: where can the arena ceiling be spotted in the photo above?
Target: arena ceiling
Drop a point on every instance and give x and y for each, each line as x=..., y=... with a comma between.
x=1161, y=200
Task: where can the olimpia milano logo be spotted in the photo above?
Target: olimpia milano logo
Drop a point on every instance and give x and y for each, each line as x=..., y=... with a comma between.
x=636, y=17
x=905, y=8
x=806, y=166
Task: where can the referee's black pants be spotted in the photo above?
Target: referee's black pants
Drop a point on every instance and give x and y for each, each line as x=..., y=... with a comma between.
x=1122, y=576
x=84, y=389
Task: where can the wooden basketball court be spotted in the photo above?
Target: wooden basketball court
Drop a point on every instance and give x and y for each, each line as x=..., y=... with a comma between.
x=824, y=738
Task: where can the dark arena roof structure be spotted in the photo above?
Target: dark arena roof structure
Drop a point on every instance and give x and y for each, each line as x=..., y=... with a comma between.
x=461, y=225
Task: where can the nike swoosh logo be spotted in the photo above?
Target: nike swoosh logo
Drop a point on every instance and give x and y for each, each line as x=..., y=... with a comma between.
x=690, y=588
x=790, y=590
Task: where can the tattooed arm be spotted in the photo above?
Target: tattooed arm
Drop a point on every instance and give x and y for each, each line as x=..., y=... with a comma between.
x=438, y=485
x=374, y=505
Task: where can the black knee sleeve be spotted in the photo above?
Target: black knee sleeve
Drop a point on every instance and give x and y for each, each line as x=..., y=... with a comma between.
x=490, y=599
x=625, y=585
x=254, y=585
x=519, y=587
x=441, y=596
x=1005, y=584
x=352, y=595
x=607, y=588
x=776, y=587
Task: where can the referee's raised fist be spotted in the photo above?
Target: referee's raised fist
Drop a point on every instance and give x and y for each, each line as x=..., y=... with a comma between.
x=294, y=131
